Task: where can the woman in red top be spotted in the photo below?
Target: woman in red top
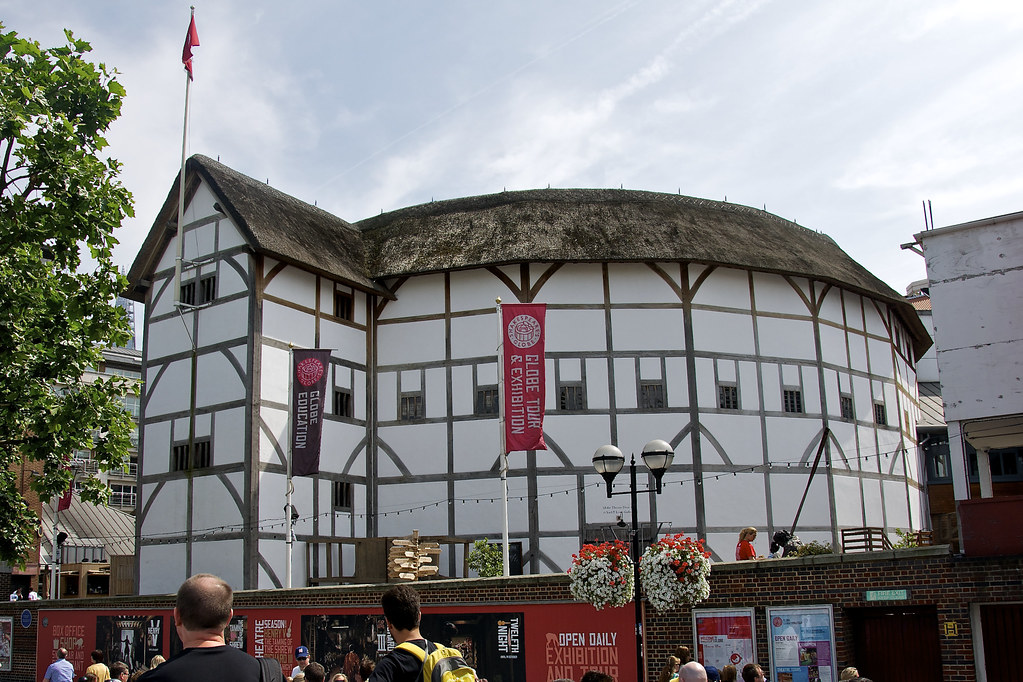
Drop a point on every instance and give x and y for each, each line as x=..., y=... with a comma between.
x=744, y=550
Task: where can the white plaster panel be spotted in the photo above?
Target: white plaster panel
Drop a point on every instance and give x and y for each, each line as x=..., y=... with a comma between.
x=168, y=255
x=749, y=398
x=272, y=491
x=773, y=294
x=166, y=337
x=725, y=287
x=409, y=499
x=274, y=374
x=224, y=321
x=722, y=493
x=201, y=204
x=786, y=338
x=486, y=373
x=347, y=342
x=896, y=504
x=411, y=380
x=294, y=285
x=288, y=325
x=167, y=511
x=421, y=447
x=463, y=393
x=578, y=435
x=474, y=336
x=863, y=404
x=637, y=429
x=857, y=352
x=273, y=446
x=880, y=358
x=772, y=387
x=706, y=388
x=677, y=504
x=161, y=568
x=557, y=550
x=726, y=370
x=854, y=310
x=570, y=369
x=342, y=444
x=832, y=308
x=477, y=290
x=479, y=509
x=791, y=438
x=643, y=329
x=722, y=545
x=412, y=342
x=598, y=392
x=422, y=295
x=156, y=452
x=387, y=396
x=637, y=283
x=848, y=504
x=229, y=235
x=220, y=380
x=787, y=490
x=213, y=505
x=436, y=402
x=650, y=368
x=171, y=392
x=833, y=350
x=831, y=392
x=625, y=383
x=230, y=438
x=872, y=502
x=575, y=330
x=811, y=390
x=875, y=325
x=676, y=375
x=161, y=295
x=477, y=445
x=738, y=434
x=557, y=501
x=577, y=283
x=198, y=244
x=723, y=332
x=602, y=510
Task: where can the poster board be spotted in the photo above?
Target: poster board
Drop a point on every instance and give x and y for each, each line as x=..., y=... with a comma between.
x=725, y=637
x=6, y=642
x=802, y=641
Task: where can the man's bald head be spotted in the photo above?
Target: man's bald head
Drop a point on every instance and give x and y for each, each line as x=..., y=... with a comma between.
x=692, y=672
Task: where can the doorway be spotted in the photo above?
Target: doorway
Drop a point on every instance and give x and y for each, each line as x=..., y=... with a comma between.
x=896, y=644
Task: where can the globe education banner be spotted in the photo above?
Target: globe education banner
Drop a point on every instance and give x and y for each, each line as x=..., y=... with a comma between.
x=523, y=341
x=308, y=385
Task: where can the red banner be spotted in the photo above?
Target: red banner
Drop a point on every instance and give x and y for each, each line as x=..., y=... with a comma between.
x=522, y=338
x=308, y=391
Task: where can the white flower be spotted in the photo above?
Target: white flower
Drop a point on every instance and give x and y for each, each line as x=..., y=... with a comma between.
x=674, y=572
x=603, y=575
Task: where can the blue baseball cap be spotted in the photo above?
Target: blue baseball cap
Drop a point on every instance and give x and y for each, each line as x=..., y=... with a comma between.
x=712, y=674
x=301, y=652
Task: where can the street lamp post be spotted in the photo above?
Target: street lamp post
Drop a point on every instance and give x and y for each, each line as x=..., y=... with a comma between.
x=608, y=461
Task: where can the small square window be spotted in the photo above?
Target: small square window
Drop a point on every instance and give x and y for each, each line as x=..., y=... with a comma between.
x=792, y=400
x=342, y=495
x=344, y=305
x=487, y=401
x=728, y=397
x=342, y=402
x=651, y=395
x=571, y=397
x=202, y=456
x=411, y=406
x=845, y=403
x=880, y=414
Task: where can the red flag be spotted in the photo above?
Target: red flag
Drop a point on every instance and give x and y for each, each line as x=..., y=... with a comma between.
x=191, y=40
x=522, y=338
x=65, y=499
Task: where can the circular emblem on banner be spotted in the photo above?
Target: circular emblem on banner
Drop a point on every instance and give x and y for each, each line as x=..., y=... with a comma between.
x=309, y=371
x=524, y=331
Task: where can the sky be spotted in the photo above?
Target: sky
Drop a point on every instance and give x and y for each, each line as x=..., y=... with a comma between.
x=843, y=117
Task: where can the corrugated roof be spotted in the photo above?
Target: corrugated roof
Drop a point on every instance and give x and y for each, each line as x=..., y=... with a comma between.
x=89, y=525
x=932, y=408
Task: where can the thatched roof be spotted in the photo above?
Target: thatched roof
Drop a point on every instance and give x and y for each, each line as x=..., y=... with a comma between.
x=547, y=226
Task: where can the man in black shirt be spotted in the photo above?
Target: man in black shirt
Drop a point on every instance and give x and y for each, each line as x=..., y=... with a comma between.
x=401, y=609
x=202, y=611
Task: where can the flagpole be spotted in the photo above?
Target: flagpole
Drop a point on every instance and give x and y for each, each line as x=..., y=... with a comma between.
x=504, y=454
x=181, y=186
x=54, y=569
x=291, y=484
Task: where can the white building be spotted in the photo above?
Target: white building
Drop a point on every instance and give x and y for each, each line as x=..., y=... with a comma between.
x=736, y=336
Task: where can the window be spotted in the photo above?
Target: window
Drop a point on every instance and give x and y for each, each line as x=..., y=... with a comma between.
x=792, y=399
x=845, y=404
x=487, y=401
x=202, y=456
x=342, y=497
x=131, y=405
x=728, y=397
x=880, y=415
x=651, y=395
x=344, y=304
x=342, y=402
x=188, y=293
x=208, y=286
x=122, y=495
x=411, y=406
x=571, y=397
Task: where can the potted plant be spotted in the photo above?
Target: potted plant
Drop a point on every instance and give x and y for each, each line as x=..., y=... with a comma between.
x=602, y=574
x=674, y=572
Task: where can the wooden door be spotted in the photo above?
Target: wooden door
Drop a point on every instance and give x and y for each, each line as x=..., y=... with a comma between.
x=897, y=644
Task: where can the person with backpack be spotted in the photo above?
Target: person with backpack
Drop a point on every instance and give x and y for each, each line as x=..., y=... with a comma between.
x=415, y=659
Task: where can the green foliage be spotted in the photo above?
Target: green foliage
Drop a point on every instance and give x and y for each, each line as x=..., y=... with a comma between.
x=907, y=539
x=59, y=205
x=486, y=559
x=813, y=547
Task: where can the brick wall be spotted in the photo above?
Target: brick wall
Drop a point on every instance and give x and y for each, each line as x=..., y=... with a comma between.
x=932, y=576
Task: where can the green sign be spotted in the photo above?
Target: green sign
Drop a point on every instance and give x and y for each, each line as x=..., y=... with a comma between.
x=886, y=595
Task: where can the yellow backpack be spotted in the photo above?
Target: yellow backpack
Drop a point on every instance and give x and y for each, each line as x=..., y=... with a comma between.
x=443, y=664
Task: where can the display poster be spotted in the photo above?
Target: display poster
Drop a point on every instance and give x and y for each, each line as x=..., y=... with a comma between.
x=724, y=637
x=6, y=640
x=802, y=643
x=505, y=643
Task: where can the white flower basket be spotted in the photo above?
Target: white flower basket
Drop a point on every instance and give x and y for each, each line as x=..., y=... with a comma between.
x=674, y=571
x=603, y=575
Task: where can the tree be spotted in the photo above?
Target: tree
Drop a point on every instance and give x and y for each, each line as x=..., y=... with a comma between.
x=486, y=559
x=59, y=205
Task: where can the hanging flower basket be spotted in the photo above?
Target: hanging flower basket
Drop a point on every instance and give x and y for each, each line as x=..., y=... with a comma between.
x=674, y=572
x=602, y=574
